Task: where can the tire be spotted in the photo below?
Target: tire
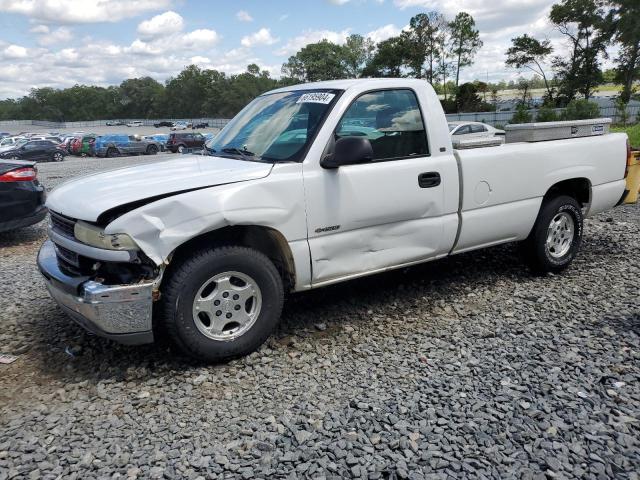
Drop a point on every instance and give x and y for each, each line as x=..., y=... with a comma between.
x=556, y=236
x=57, y=157
x=209, y=334
x=152, y=150
x=180, y=148
x=111, y=152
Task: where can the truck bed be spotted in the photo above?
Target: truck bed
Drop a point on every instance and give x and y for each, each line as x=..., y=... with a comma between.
x=502, y=187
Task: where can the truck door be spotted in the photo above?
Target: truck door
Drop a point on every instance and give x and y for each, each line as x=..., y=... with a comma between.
x=385, y=213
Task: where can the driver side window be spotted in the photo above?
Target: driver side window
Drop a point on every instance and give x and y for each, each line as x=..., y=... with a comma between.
x=391, y=120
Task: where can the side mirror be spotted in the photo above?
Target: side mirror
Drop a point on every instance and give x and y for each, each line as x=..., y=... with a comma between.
x=349, y=151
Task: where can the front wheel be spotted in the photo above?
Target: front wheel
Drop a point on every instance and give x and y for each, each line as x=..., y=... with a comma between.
x=556, y=236
x=112, y=152
x=181, y=148
x=221, y=303
x=57, y=157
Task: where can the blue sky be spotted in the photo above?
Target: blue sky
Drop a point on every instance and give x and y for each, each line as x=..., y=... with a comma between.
x=62, y=42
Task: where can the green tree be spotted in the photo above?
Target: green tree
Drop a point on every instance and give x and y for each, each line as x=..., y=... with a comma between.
x=187, y=91
x=357, y=53
x=546, y=114
x=323, y=60
x=624, y=22
x=140, y=98
x=423, y=42
x=389, y=58
x=468, y=100
x=522, y=115
x=465, y=40
x=528, y=52
x=581, y=109
x=582, y=23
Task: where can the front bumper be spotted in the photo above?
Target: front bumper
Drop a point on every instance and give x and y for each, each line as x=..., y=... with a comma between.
x=119, y=312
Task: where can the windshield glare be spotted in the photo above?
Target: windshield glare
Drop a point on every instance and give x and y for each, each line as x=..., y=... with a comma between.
x=274, y=127
x=452, y=126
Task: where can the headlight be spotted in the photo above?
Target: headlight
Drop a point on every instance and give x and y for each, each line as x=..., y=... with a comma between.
x=95, y=236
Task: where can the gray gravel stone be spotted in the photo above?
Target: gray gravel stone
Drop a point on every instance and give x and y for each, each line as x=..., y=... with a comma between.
x=467, y=367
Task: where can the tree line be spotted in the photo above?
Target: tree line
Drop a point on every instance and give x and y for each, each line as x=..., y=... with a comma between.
x=433, y=47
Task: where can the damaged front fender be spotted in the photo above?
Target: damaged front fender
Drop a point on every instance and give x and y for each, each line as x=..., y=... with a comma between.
x=276, y=202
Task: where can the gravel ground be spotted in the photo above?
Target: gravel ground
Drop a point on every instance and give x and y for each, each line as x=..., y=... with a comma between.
x=466, y=367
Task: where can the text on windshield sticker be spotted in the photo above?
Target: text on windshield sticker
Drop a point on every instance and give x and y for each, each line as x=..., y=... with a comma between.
x=316, y=97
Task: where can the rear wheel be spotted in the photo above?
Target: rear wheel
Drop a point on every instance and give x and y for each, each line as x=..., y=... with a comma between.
x=221, y=303
x=181, y=148
x=152, y=150
x=556, y=236
x=112, y=152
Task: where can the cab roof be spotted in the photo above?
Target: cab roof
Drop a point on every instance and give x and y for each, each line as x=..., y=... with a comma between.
x=353, y=82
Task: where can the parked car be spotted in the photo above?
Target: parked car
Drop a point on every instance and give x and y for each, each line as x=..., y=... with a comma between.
x=9, y=142
x=135, y=123
x=179, y=142
x=35, y=151
x=114, y=123
x=161, y=138
x=181, y=125
x=164, y=123
x=201, y=125
x=212, y=244
x=83, y=146
x=4, y=134
x=466, y=130
x=117, y=145
x=21, y=195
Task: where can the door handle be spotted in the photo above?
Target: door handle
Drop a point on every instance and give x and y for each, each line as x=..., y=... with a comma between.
x=429, y=179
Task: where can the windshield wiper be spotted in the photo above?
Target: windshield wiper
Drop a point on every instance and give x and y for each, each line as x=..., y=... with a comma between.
x=245, y=154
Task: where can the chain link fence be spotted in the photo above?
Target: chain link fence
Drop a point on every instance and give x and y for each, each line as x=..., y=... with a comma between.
x=492, y=118
x=502, y=118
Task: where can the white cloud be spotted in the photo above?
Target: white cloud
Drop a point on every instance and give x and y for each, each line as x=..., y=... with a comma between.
x=261, y=37
x=201, y=38
x=339, y=2
x=164, y=24
x=59, y=35
x=312, y=36
x=81, y=11
x=15, y=51
x=382, y=33
x=39, y=29
x=244, y=16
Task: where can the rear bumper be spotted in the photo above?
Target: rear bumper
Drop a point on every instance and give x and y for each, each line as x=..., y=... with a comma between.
x=35, y=217
x=119, y=312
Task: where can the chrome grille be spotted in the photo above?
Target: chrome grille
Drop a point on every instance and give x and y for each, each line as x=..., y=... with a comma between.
x=67, y=256
x=62, y=225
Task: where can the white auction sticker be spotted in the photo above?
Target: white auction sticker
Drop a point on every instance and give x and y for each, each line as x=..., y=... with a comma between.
x=316, y=97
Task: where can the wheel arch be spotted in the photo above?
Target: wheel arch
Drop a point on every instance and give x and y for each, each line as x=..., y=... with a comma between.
x=266, y=240
x=579, y=188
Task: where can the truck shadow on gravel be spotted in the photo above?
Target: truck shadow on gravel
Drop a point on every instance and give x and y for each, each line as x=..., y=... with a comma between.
x=65, y=351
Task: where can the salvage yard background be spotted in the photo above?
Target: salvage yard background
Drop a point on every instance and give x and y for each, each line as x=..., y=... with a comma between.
x=465, y=367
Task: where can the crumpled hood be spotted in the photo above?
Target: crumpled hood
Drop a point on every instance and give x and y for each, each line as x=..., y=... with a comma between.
x=87, y=197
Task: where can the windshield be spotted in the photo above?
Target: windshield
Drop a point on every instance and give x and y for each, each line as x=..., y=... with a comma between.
x=452, y=126
x=274, y=127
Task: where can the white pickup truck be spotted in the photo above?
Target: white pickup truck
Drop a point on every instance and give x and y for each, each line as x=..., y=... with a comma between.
x=307, y=186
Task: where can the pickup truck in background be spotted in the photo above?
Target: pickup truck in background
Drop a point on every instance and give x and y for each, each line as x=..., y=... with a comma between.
x=307, y=186
x=116, y=145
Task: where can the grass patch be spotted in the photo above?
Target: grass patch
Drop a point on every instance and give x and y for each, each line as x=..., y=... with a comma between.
x=633, y=131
